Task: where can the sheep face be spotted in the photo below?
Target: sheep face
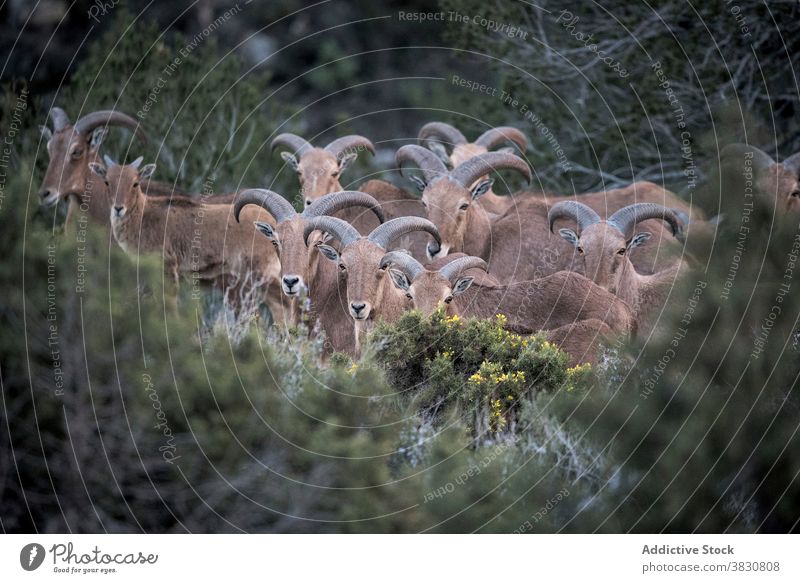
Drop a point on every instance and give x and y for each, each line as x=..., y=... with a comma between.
x=297, y=260
x=359, y=264
x=318, y=171
x=449, y=206
x=67, y=172
x=603, y=251
x=430, y=290
x=123, y=184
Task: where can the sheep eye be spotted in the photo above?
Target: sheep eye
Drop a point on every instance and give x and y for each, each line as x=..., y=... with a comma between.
x=342, y=267
x=621, y=251
x=106, y=181
x=275, y=243
x=464, y=207
x=425, y=204
x=335, y=173
x=77, y=153
x=448, y=299
x=409, y=296
x=580, y=250
x=136, y=185
x=795, y=194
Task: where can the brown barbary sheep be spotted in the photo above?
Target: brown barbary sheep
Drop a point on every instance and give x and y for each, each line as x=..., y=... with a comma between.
x=72, y=148
x=604, y=246
x=462, y=287
x=439, y=136
x=517, y=245
x=369, y=296
x=319, y=169
x=576, y=314
x=299, y=263
x=203, y=241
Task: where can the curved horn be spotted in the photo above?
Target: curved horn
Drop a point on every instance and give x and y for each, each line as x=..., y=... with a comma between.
x=384, y=234
x=760, y=158
x=60, y=118
x=272, y=202
x=296, y=144
x=353, y=143
x=492, y=138
x=96, y=119
x=469, y=171
x=441, y=132
x=405, y=262
x=625, y=219
x=583, y=215
x=423, y=158
x=340, y=229
x=336, y=201
x=793, y=163
x=460, y=265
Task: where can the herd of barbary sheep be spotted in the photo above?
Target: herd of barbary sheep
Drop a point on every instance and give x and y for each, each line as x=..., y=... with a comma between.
x=582, y=268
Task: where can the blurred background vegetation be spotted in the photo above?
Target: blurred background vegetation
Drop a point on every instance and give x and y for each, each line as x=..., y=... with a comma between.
x=120, y=416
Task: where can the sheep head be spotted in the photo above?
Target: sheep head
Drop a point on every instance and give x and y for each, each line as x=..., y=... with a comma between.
x=449, y=197
x=319, y=169
x=603, y=245
x=429, y=290
x=123, y=183
x=71, y=148
x=780, y=182
x=359, y=261
x=298, y=260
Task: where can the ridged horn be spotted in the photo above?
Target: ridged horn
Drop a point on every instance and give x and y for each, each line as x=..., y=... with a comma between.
x=340, y=229
x=109, y=118
x=384, y=234
x=428, y=162
x=295, y=143
x=583, y=215
x=60, y=118
x=494, y=137
x=441, y=132
x=793, y=163
x=405, y=262
x=760, y=158
x=272, y=202
x=468, y=172
x=625, y=219
x=455, y=268
x=352, y=143
x=336, y=201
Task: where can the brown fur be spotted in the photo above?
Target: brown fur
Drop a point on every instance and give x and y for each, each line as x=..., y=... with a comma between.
x=193, y=238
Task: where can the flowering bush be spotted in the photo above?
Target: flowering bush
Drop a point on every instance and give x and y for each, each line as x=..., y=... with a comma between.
x=476, y=366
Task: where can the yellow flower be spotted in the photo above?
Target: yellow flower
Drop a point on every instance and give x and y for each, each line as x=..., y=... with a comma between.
x=353, y=368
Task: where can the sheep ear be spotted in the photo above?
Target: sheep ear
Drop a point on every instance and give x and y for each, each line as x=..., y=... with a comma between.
x=482, y=188
x=97, y=137
x=638, y=240
x=147, y=171
x=399, y=279
x=419, y=183
x=570, y=236
x=265, y=228
x=441, y=153
x=290, y=160
x=329, y=252
x=347, y=160
x=98, y=169
x=462, y=285
x=46, y=133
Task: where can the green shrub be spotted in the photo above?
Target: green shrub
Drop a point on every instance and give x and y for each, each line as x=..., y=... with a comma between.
x=476, y=366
